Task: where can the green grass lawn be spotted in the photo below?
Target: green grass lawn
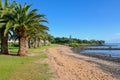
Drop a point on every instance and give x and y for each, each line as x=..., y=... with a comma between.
x=25, y=68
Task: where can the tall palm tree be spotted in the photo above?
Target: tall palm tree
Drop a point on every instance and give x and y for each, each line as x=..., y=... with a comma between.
x=36, y=35
x=23, y=21
x=50, y=38
x=5, y=8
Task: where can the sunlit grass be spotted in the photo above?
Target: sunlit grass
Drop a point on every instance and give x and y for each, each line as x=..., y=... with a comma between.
x=25, y=68
x=13, y=50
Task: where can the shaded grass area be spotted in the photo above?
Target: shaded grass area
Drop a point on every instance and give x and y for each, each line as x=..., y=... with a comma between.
x=25, y=68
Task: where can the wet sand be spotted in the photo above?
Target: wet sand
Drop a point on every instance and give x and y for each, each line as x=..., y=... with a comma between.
x=70, y=66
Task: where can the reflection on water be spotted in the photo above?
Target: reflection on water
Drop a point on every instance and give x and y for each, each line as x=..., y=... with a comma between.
x=112, y=53
x=112, y=45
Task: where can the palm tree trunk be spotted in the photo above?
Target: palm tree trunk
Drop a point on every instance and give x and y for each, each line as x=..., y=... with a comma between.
x=35, y=43
x=23, y=47
x=0, y=40
x=44, y=42
x=29, y=44
x=4, y=43
x=39, y=43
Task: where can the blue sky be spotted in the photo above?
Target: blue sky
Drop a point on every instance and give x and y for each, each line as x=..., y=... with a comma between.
x=84, y=19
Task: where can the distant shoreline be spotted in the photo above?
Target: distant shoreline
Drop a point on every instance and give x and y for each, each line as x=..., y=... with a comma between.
x=107, y=57
x=97, y=55
x=102, y=56
x=101, y=48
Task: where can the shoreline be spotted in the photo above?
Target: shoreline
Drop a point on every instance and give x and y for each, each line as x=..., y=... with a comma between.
x=96, y=55
x=67, y=65
x=101, y=56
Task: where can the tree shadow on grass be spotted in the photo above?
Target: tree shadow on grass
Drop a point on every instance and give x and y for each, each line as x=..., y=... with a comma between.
x=8, y=54
x=13, y=55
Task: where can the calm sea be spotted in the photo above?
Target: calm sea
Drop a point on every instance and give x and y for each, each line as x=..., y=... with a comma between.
x=112, y=53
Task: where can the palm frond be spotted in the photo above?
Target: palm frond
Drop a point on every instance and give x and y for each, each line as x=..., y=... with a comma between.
x=8, y=25
x=6, y=3
x=1, y=4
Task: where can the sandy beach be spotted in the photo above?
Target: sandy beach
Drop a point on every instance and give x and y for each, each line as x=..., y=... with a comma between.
x=70, y=66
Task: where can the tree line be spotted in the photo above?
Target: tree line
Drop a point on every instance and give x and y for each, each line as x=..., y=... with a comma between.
x=76, y=42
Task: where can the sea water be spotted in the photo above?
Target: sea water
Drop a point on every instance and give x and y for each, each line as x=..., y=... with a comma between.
x=112, y=53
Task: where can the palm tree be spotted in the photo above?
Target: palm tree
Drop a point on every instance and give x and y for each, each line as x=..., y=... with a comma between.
x=23, y=21
x=36, y=35
x=50, y=38
x=5, y=8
